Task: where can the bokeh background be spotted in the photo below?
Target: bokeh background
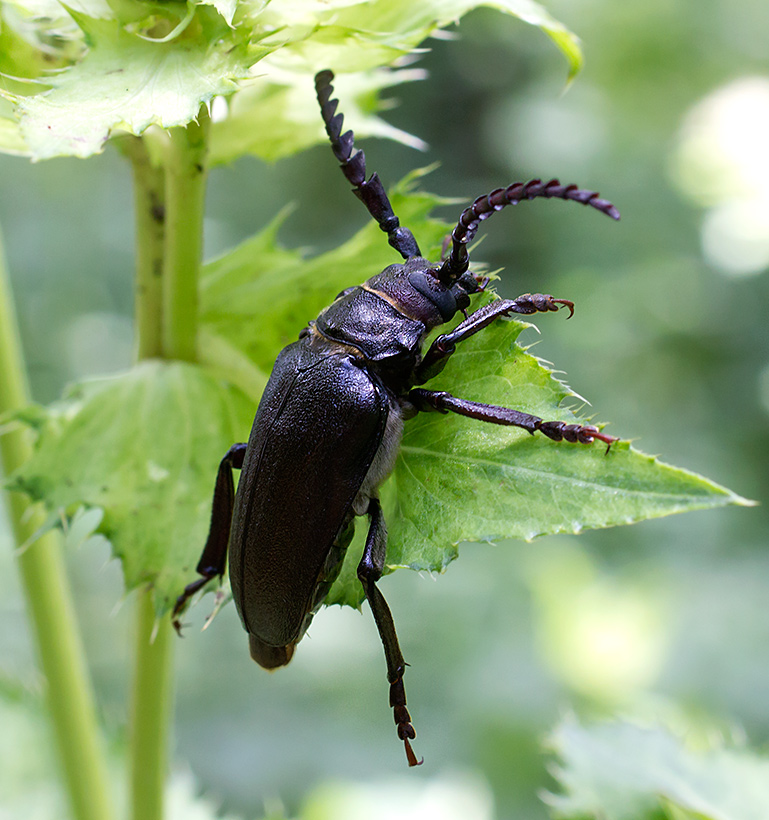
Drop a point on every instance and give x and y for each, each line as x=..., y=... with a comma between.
x=664, y=621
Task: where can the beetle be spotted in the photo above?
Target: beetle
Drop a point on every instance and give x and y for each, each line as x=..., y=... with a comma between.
x=329, y=424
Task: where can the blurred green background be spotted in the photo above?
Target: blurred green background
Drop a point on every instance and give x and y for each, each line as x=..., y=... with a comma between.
x=670, y=120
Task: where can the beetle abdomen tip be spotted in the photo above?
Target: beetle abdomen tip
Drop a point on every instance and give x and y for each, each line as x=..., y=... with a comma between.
x=269, y=657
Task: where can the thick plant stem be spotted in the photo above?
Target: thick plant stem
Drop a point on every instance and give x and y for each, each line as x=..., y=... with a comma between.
x=152, y=695
x=44, y=580
x=181, y=232
x=151, y=710
x=185, y=198
x=150, y=215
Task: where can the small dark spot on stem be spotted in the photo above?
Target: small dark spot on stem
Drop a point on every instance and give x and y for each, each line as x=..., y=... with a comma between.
x=157, y=209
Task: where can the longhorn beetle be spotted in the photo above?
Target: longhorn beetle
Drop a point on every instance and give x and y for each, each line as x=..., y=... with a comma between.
x=330, y=421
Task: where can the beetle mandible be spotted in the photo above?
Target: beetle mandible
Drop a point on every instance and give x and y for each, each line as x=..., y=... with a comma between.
x=330, y=421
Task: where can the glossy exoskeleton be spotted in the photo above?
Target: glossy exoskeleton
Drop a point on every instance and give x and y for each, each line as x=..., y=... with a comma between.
x=329, y=424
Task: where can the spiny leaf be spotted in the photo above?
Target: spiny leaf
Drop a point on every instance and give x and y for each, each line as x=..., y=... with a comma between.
x=150, y=63
x=286, y=100
x=128, y=82
x=145, y=448
x=462, y=480
x=621, y=771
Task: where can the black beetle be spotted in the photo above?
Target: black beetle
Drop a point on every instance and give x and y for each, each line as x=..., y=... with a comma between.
x=330, y=420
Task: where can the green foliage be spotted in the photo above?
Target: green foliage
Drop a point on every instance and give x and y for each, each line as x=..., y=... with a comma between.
x=144, y=447
x=125, y=81
x=287, y=102
x=136, y=455
x=623, y=771
x=149, y=442
x=124, y=65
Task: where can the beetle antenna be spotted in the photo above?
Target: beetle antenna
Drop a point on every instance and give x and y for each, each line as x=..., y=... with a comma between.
x=458, y=261
x=369, y=191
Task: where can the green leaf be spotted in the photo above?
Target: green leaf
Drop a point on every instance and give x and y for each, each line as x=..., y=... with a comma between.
x=461, y=480
x=622, y=771
x=355, y=36
x=126, y=65
x=126, y=81
x=286, y=100
x=406, y=18
x=145, y=448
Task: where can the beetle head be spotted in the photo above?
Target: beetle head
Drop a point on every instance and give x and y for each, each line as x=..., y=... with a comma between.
x=415, y=287
x=448, y=299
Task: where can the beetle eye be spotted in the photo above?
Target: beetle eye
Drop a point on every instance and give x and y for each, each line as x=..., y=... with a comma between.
x=344, y=292
x=463, y=300
x=468, y=282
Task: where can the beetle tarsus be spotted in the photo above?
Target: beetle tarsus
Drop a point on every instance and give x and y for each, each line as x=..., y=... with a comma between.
x=443, y=402
x=534, y=303
x=405, y=729
x=566, y=303
x=181, y=601
x=410, y=756
x=574, y=433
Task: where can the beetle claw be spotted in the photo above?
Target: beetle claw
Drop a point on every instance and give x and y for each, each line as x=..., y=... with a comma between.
x=568, y=304
x=595, y=433
x=410, y=756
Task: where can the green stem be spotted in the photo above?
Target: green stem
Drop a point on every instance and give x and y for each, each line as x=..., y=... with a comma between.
x=151, y=710
x=185, y=199
x=149, y=209
x=180, y=234
x=44, y=580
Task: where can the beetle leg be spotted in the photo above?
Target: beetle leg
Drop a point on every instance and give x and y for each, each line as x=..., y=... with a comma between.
x=444, y=345
x=214, y=557
x=556, y=430
x=369, y=572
